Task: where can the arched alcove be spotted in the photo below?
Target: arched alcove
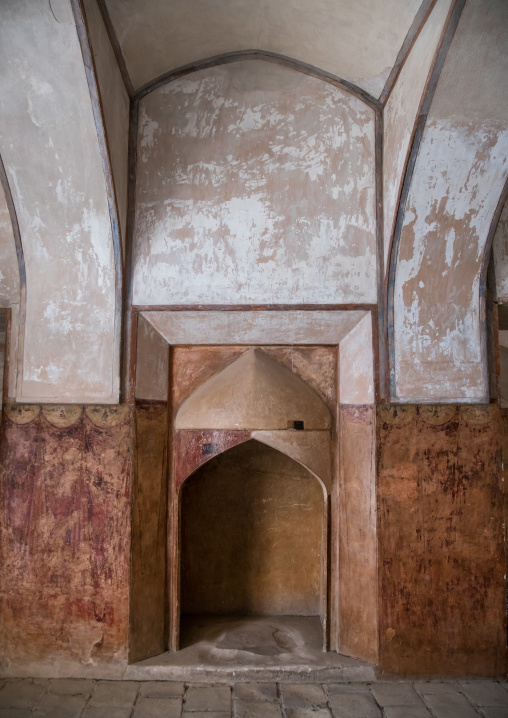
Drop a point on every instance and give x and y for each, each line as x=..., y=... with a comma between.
x=253, y=539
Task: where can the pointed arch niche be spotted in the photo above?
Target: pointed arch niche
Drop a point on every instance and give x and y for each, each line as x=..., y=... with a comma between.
x=255, y=429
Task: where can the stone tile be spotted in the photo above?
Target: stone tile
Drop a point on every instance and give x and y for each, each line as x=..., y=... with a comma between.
x=431, y=687
x=395, y=693
x=354, y=705
x=302, y=694
x=161, y=689
x=158, y=708
x=494, y=712
x=308, y=712
x=256, y=709
x=256, y=691
x=407, y=712
x=449, y=705
x=21, y=694
x=341, y=688
x=120, y=694
x=107, y=712
x=485, y=693
x=208, y=698
x=71, y=686
x=52, y=705
x=15, y=713
x=206, y=714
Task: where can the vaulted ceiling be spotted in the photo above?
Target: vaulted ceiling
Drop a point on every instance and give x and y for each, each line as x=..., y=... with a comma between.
x=433, y=74
x=357, y=40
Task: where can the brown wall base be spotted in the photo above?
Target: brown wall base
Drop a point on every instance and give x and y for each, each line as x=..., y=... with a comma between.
x=440, y=541
x=66, y=525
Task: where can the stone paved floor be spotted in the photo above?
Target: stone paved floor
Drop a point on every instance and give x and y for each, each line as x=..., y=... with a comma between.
x=72, y=698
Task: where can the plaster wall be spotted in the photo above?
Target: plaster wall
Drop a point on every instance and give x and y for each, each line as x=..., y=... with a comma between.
x=193, y=366
x=356, y=365
x=401, y=112
x=437, y=289
x=50, y=150
x=296, y=327
x=255, y=183
x=325, y=34
x=115, y=104
x=254, y=392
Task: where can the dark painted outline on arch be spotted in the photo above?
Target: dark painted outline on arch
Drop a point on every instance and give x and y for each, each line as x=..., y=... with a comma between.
x=102, y=138
x=4, y=181
x=488, y=360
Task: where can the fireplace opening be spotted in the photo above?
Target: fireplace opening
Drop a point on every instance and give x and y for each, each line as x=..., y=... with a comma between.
x=253, y=544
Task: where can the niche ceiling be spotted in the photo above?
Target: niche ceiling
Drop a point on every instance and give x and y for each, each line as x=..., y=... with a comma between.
x=357, y=40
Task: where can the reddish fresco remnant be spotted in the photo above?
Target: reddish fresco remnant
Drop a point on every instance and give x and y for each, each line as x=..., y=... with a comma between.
x=65, y=540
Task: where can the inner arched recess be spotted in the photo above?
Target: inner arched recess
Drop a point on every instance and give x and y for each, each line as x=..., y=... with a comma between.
x=253, y=542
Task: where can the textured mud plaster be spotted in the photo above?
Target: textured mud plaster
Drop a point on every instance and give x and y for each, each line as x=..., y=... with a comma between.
x=9, y=285
x=255, y=183
x=115, y=104
x=65, y=496
x=458, y=176
x=401, y=111
x=356, y=372
x=354, y=39
x=500, y=249
x=50, y=150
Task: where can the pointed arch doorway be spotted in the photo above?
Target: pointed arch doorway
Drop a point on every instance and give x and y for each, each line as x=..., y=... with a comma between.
x=249, y=498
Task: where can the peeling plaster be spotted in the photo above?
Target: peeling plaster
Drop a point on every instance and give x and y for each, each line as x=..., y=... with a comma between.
x=50, y=149
x=401, y=111
x=254, y=195
x=459, y=172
